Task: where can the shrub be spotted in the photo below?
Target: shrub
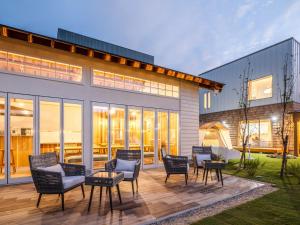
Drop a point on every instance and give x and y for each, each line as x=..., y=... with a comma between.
x=294, y=170
x=252, y=165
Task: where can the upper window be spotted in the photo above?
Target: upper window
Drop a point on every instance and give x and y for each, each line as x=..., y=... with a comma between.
x=206, y=100
x=260, y=88
x=112, y=80
x=38, y=67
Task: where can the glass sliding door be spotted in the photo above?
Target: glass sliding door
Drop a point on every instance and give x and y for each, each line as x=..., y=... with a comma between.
x=21, y=125
x=100, y=135
x=72, y=132
x=163, y=134
x=134, y=129
x=149, y=136
x=117, y=129
x=2, y=139
x=49, y=124
x=174, y=133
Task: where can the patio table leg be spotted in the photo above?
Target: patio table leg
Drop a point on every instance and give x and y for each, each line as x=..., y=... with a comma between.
x=91, y=197
x=100, y=195
x=221, y=176
x=120, y=199
x=110, y=200
x=206, y=175
x=217, y=173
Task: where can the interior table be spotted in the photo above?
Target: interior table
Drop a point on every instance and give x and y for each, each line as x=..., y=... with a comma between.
x=104, y=179
x=210, y=165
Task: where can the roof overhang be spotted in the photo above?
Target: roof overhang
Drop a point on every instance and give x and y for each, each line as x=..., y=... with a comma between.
x=32, y=38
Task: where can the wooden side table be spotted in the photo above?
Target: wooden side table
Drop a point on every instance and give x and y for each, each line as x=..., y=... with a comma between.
x=213, y=165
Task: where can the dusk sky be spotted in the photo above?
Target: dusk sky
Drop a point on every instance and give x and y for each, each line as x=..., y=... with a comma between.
x=191, y=36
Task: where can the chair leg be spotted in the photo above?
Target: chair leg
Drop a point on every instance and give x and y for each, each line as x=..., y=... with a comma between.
x=39, y=199
x=194, y=169
x=204, y=170
x=62, y=202
x=82, y=189
x=132, y=187
x=197, y=171
x=100, y=195
x=137, y=185
x=167, y=178
x=186, y=178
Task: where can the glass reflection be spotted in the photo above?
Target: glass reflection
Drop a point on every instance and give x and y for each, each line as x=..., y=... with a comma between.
x=100, y=136
x=162, y=133
x=2, y=145
x=72, y=133
x=117, y=115
x=174, y=131
x=134, y=129
x=149, y=136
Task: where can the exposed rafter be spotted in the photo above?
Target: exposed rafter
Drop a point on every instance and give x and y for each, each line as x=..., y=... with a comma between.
x=32, y=38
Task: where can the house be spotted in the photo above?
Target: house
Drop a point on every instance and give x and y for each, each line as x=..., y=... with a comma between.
x=84, y=99
x=265, y=83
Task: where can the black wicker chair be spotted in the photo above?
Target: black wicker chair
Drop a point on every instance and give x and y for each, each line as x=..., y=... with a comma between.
x=175, y=165
x=127, y=155
x=47, y=182
x=201, y=150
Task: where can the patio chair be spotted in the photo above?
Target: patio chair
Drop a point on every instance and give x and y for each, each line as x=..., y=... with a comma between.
x=200, y=154
x=128, y=162
x=175, y=165
x=51, y=177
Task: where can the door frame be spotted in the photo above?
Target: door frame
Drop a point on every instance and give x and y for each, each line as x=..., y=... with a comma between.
x=11, y=180
x=5, y=151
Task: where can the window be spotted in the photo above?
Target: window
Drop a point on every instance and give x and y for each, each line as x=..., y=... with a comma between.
x=259, y=131
x=38, y=67
x=206, y=100
x=111, y=80
x=260, y=88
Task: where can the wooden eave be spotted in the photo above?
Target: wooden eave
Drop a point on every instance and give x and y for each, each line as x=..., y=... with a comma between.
x=32, y=38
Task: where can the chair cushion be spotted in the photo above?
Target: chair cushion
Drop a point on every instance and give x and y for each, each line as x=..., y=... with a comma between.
x=71, y=181
x=201, y=157
x=56, y=168
x=128, y=174
x=125, y=165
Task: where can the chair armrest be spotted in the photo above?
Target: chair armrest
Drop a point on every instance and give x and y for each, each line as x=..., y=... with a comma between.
x=111, y=165
x=137, y=169
x=73, y=169
x=47, y=182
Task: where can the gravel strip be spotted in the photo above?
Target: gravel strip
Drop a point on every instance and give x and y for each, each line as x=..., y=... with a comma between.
x=193, y=215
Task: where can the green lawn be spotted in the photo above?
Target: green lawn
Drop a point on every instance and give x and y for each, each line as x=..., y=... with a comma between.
x=280, y=207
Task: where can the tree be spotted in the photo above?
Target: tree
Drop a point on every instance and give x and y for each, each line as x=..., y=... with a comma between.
x=244, y=105
x=285, y=124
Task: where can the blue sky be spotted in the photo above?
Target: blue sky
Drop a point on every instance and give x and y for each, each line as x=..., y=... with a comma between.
x=191, y=36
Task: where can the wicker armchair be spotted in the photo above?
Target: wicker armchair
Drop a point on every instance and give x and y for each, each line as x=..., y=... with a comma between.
x=127, y=155
x=175, y=165
x=47, y=182
x=201, y=150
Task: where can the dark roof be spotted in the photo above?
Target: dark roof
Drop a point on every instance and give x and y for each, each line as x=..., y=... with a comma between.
x=93, y=43
x=33, y=38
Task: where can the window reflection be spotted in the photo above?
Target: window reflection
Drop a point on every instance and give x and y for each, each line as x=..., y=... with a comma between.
x=149, y=136
x=134, y=129
x=174, y=131
x=100, y=136
x=117, y=115
x=72, y=133
x=162, y=132
x=2, y=145
x=49, y=127
x=21, y=136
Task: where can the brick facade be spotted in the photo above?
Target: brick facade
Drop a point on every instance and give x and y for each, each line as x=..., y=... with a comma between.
x=232, y=119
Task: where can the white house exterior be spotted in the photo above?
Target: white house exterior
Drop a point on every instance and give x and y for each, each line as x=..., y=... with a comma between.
x=85, y=104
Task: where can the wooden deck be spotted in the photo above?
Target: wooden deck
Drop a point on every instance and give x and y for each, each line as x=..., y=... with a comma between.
x=154, y=200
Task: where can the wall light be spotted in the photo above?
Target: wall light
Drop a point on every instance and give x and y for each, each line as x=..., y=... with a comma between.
x=274, y=118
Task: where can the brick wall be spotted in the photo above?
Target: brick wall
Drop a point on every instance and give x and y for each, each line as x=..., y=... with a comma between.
x=233, y=118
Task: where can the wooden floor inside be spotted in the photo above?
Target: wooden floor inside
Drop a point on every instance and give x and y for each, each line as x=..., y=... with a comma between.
x=154, y=200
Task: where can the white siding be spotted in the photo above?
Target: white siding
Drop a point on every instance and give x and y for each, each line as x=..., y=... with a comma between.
x=189, y=117
x=268, y=61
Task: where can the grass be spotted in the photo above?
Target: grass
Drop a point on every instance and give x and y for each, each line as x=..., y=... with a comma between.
x=280, y=207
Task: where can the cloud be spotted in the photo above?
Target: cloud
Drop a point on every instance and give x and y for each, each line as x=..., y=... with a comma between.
x=244, y=9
